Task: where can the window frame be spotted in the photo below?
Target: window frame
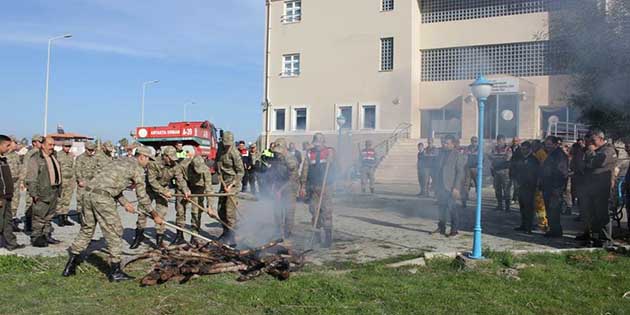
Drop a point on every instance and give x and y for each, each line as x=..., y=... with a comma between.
x=294, y=117
x=274, y=119
x=381, y=53
x=362, y=121
x=386, y=9
x=292, y=72
x=338, y=110
x=293, y=17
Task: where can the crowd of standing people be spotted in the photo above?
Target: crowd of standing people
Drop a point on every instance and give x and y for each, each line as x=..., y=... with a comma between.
x=546, y=179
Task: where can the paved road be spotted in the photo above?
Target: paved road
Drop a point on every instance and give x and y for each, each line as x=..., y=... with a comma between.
x=367, y=227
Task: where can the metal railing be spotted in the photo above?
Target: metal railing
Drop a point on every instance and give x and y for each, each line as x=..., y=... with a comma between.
x=382, y=148
x=567, y=130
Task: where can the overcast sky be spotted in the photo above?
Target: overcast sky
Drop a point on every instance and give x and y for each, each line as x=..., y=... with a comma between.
x=209, y=52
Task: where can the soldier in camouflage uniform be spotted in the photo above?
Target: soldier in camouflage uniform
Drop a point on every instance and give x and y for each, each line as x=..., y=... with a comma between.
x=231, y=172
x=318, y=158
x=36, y=141
x=199, y=180
x=66, y=161
x=13, y=159
x=86, y=166
x=107, y=150
x=159, y=175
x=500, y=170
x=100, y=197
x=284, y=176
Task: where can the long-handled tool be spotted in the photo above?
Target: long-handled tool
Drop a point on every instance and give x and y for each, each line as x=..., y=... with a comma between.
x=206, y=210
x=206, y=195
x=319, y=206
x=173, y=226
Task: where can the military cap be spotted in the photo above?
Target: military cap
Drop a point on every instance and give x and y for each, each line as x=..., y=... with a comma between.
x=38, y=138
x=170, y=152
x=228, y=138
x=199, y=164
x=90, y=146
x=145, y=151
x=67, y=143
x=280, y=145
x=12, y=137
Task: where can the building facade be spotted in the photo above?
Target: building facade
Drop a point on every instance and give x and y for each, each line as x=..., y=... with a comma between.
x=390, y=64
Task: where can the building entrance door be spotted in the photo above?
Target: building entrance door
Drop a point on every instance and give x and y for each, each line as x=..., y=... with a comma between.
x=501, y=116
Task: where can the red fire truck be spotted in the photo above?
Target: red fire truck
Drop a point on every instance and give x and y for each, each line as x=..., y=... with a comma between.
x=200, y=136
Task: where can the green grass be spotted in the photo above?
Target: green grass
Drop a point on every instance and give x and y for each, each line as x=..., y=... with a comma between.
x=576, y=283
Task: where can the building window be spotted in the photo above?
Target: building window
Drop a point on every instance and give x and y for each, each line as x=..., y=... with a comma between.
x=291, y=65
x=449, y=10
x=369, y=117
x=346, y=112
x=280, y=118
x=300, y=119
x=387, y=5
x=436, y=123
x=292, y=11
x=387, y=54
x=465, y=63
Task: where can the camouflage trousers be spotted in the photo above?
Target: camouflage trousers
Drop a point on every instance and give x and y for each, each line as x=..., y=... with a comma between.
x=16, y=199
x=502, y=186
x=195, y=212
x=227, y=209
x=325, y=213
x=367, y=178
x=67, y=190
x=161, y=206
x=103, y=211
x=43, y=213
x=284, y=213
x=80, y=193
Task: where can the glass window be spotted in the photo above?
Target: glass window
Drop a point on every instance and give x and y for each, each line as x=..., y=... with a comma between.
x=300, y=119
x=346, y=112
x=291, y=65
x=387, y=54
x=292, y=11
x=387, y=5
x=369, y=117
x=434, y=11
x=280, y=119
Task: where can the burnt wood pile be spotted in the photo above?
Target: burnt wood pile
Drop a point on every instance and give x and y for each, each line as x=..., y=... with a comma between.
x=184, y=262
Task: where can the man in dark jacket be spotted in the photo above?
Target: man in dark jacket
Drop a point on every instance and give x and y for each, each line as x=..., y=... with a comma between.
x=525, y=171
x=500, y=169
x=7, y=238
x=600, y=162
x=555, y=171
x=43, y=179
x=449, y=181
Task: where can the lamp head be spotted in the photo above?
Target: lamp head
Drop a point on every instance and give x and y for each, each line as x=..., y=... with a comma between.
x=481, y=88
x=67, y=36
x=341, y=120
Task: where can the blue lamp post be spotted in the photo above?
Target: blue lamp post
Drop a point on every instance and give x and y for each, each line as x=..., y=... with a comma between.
x=481, y=89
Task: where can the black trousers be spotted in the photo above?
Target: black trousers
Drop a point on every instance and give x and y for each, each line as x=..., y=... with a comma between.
x=448, y=209
x=6, y=229
x=526, y=201
x=552, y=197
x=596, y=194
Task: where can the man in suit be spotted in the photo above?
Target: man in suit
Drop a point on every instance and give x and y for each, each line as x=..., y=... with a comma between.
x=449, y=181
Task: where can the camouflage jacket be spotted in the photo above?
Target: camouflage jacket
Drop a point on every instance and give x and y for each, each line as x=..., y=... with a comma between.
x=160, y=175
x=230, y=167
x=119, y=175
x=38, y=180
x=286, y=169
x=13, y=159
x=86, y=166
x=66, y=161
x=198, y=175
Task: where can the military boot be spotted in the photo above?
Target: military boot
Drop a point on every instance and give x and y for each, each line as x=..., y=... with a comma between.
x=51, y=240
x=328, y=238
x=116, y=274
x=228, y=238
x=71, y=266
x=40, y=241
x=179, y=239
x=63, y=220
x=137, y=239
x=15, y=225
x=159, y=241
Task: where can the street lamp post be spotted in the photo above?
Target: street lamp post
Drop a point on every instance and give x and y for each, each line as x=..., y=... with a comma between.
x=481, y=89
x=186, y=108
x=144, y=91
x=48, y=79
x=341, y=120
